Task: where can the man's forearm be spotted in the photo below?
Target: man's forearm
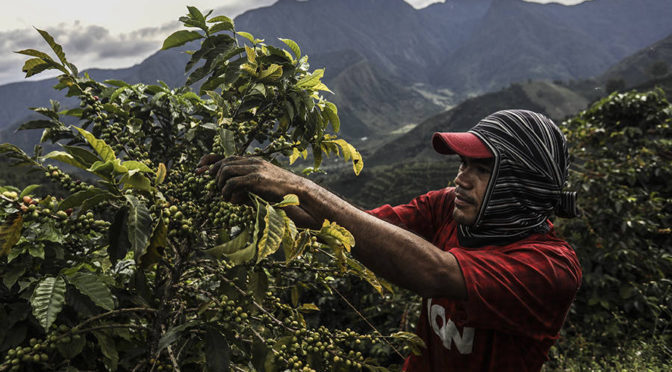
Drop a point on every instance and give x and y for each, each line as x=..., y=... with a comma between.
x=388, y=250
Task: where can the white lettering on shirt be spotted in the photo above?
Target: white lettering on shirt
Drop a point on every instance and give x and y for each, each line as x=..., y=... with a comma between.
x=448, y=332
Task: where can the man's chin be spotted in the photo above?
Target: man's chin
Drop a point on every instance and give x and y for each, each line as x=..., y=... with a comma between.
x=463, y=218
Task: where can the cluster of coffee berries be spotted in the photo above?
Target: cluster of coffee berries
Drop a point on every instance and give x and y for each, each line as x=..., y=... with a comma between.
x=159, y=365
x=63, y=179
x=84, y=223
x=36, y=354
x=225, y=214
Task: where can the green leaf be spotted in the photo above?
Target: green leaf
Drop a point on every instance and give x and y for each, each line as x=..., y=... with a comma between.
x=83, y=156
x=246, y=35
x=76, y=199
x=95, y=201
x=287, y=200
x=10, y=234
x=48, y=300
x=179, y=38
x=293, y=46
x=38, y=124
x=412, y=340
x=93, y=287
x=333, y=234
x=196, y=14
x=13, y=151
x=161, y=173
x=365, y=274
x=227, y=141
x=35, y=53
x=139, y=224
x=332, y=114
x=306, y=308
x=136, y=181
x=310, y=80
x=65, y=158
x=251, y=55
x=217, y=351
x=12, y=275
x=54, y=46
x=36, y=250
x=28, y=190
x=103, y=169
x=108, y=348
x=118, y=236
x=71, y=349
x=232, y=246
x=99, y=146
x=299, y=246
x=157, y=243
x=350, y=153
x=259, y=285
x=34, y=66
x=274, y=230
x=173, y=333
x=136, y=165
x=273, y=72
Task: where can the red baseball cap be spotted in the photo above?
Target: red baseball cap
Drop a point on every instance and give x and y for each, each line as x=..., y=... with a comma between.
x=461, y=143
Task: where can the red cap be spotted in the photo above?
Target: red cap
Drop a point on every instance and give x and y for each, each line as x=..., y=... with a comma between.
x=461, y=143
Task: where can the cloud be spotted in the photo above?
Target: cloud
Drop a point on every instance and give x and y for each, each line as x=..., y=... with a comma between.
x=86, y=46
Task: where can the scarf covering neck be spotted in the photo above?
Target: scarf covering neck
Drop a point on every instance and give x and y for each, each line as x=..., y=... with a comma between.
x=530, y=169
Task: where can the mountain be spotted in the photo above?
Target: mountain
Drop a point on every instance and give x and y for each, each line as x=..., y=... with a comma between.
x=654, y=61
x=391, y=65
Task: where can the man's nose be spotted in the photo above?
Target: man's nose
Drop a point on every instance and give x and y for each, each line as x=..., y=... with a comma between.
x=463, y=179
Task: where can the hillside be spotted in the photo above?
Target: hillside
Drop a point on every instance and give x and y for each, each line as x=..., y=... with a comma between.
x=454, y=50
x=654, y=61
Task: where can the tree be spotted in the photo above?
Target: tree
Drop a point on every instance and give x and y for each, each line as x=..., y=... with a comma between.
x=137, y=268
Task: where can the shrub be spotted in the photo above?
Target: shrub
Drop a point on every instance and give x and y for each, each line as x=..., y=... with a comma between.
x=141, y=269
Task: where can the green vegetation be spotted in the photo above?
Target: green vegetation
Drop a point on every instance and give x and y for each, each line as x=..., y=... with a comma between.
x=621, y=319
x=141, y=265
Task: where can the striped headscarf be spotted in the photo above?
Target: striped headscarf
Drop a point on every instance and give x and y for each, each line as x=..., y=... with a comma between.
x=527, y=180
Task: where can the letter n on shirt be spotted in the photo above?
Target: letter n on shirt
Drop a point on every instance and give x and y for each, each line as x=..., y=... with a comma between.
x=447, y=330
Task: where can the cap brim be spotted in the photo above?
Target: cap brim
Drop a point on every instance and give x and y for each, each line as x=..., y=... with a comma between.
x=461, y=143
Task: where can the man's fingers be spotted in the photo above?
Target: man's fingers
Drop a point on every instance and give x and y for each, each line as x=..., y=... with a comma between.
x=226, y=171
x=235, y=185
x=209, y=159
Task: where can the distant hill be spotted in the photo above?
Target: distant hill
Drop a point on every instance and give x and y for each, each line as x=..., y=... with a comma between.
x=651, y=62
x=391, y=65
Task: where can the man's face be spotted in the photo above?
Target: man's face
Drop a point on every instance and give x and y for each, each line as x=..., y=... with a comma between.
x=472, y=180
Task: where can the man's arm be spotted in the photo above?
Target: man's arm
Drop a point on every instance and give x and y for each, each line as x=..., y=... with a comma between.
x=389, y=251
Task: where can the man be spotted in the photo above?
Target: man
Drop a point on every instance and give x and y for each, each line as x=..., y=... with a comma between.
x=495, y=280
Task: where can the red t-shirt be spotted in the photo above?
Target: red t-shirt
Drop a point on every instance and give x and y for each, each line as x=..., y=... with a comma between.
x=518, y=295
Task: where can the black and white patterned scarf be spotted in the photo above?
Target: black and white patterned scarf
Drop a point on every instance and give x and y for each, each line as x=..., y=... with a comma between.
x=527, y=181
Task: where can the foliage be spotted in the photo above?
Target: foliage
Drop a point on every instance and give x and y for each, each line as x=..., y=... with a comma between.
x=581, y=354
x=142, y=269
x=623, y=152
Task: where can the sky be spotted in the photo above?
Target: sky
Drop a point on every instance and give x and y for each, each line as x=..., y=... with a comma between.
x=108, y=34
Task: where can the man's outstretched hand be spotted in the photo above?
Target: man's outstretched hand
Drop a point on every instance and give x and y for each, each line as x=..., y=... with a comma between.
x=236, y=176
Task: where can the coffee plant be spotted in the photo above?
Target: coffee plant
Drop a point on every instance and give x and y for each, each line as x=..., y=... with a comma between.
x=142, y=265
x=623, y=154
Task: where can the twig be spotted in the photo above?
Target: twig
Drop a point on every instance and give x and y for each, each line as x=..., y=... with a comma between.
x=176, y=366
x=113, y=312
x=367, y=321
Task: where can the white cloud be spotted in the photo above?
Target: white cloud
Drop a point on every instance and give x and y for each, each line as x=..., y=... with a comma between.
x=97, y=34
